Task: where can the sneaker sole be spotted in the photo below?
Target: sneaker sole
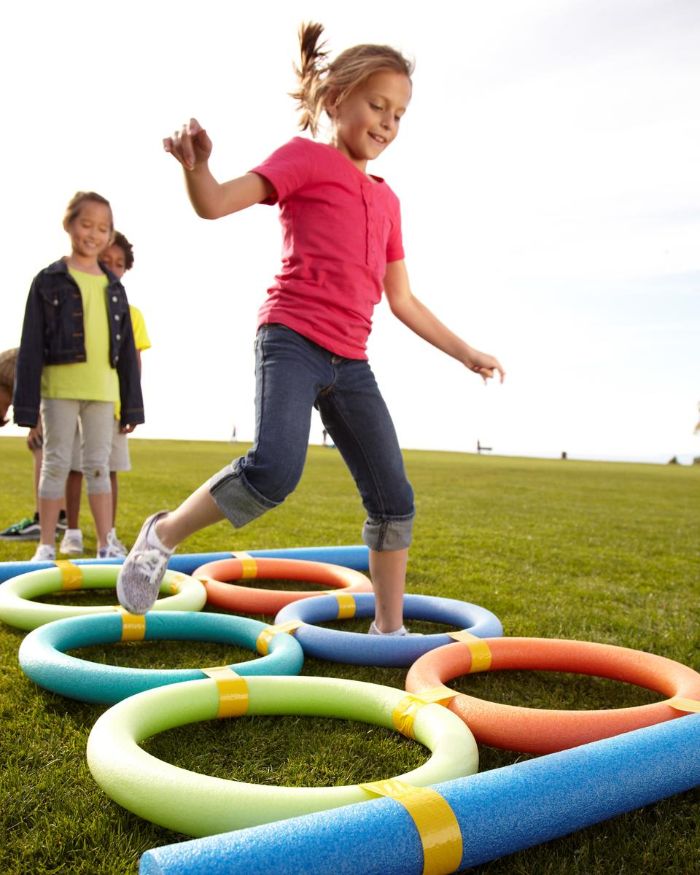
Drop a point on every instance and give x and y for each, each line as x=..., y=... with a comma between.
x=29, y=537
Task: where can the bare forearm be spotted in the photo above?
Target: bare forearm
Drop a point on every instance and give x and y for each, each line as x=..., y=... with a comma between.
x=212, y=199
x=423, y=322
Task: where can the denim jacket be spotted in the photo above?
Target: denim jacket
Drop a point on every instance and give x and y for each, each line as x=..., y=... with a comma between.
x=53, y=334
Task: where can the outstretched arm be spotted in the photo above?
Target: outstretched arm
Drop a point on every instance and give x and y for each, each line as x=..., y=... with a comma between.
x=416, y=316
x=211, y=199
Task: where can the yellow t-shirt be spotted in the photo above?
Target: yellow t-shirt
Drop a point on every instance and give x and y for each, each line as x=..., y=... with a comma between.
x=141, y=339
x=94, y=379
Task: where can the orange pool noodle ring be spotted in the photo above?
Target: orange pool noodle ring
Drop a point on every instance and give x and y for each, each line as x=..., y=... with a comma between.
x=217, y=578
x=541, y=731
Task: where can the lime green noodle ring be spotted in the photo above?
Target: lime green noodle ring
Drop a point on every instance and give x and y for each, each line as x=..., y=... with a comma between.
x=180, y=593
x=199, y=805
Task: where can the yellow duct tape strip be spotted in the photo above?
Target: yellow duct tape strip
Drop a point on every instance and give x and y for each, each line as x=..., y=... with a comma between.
x=233, y=691
x=436, y=694
x=249, y=567
x=404, y=714
x=262, y=643
x=435, y=821
x=133, y=627
x=71, y=574
x=479, y=649
x=176, y=582
x=346, y=605
x=681, y=704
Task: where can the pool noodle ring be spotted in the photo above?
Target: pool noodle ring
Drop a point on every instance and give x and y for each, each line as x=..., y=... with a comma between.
x=182, y=593
x=540, y=731
x=43, y=659
x=358, y=648
x=353, y=556
x=217, y=577
x=199, y=805
x=498, y=812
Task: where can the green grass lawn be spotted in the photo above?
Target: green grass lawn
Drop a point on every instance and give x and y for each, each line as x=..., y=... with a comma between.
x=595, y=551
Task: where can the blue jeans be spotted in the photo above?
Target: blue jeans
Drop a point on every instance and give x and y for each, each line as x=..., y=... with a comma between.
x=294, y=375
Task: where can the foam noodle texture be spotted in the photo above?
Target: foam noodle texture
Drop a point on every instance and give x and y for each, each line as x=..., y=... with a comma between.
x=499, y=812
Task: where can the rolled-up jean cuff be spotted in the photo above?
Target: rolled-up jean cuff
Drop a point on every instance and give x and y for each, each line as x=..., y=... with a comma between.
x=236, y=498
x=387, y=535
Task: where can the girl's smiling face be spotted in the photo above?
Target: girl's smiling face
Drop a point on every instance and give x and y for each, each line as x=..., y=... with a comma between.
x=90, y=231
x=367, y=120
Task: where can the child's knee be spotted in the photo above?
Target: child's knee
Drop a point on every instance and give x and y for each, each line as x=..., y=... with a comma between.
x=97, y=479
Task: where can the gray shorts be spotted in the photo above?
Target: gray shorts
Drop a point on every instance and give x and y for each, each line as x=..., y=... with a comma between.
x=60, y=418
x=119, y=456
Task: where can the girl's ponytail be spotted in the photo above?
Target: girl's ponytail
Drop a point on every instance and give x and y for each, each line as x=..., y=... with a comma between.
x=309, y=95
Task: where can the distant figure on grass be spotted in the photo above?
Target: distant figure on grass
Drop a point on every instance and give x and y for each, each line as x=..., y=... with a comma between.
x=76, y=360
x=342, y=238
x=27, y=529
x=118, y=258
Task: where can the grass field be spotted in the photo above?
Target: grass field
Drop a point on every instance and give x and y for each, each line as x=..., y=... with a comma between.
x=596, y=551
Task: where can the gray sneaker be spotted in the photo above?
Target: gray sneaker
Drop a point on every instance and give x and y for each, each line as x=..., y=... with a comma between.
x=143, y=570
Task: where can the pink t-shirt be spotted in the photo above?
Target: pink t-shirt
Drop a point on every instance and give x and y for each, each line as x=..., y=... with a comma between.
x=340, y=228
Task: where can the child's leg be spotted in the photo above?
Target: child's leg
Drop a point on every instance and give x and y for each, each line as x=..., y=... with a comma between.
x=74, y=484
x=96, y=424
x=59, y=417
x=358, y=420
x=290, y=371
x=387, y=570
x=195, y=513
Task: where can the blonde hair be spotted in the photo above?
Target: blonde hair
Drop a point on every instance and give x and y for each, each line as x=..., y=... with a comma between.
x=323, y=84
x=8, y=363
x=76, y=202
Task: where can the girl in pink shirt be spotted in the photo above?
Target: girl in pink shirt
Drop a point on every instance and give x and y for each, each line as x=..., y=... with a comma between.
x=342, y=247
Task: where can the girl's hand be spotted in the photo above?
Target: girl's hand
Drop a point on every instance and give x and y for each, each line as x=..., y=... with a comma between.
x=190, y=145
x=485, y=365
x=35, y=440
x=126, y=429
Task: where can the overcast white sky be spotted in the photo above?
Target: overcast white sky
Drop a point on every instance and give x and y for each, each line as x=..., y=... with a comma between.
x=549, y=175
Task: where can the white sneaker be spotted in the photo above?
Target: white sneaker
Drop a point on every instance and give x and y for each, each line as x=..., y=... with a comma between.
x=401, y=632
x=72, y=543
x=143, y=570
x=115, y=548
x=44, y=553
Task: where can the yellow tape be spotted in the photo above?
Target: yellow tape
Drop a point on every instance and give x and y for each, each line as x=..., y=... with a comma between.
x=346, y=605
x=133, y=627
x=262, y=643
x=437, y=825
x=175, y=582
x=681, y=704
x=479, y=649
x=249, y=567
x=232, y=689
x=404, y=714
x=71, y=574
x=435, y=694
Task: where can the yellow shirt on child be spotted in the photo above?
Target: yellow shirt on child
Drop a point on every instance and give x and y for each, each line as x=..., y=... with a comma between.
x=94, y=379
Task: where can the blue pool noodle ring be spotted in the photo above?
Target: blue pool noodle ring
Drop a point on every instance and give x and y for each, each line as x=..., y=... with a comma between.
x=358, y=648
x=42, y=656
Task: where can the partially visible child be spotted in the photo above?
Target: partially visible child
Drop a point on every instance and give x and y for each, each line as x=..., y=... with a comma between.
x=118, y=258
x=77, y=358
x=27, y=529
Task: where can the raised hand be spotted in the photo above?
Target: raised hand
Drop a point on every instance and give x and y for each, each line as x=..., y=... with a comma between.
x=190, y=145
